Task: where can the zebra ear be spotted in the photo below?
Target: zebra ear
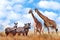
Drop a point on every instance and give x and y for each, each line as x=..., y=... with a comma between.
x=15, y=23
x=29, y=23
x=25, y=24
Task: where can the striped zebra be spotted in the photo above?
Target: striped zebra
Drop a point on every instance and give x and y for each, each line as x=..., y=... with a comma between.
x=23, y=30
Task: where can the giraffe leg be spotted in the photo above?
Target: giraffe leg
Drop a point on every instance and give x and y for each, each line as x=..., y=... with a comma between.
x=40, y=31
x=48, y=30
x=35, y=31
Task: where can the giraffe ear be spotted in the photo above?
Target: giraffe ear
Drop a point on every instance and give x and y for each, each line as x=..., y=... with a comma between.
x=36, y=9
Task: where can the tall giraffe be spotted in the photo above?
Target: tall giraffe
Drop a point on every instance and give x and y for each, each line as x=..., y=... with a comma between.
x=47, y=22
x=38, y=25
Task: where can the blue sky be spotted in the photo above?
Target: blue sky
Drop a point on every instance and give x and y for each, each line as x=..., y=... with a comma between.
x=17, y=11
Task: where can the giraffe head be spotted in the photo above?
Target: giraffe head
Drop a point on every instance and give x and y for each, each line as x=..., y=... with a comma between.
x=36, y=9
x=30, y=11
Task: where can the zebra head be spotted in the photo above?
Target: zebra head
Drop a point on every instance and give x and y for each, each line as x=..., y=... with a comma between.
x=27, y=26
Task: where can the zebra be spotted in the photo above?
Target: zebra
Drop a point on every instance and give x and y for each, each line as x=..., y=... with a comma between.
x=23, y=30
x=20, y=30
x=11, y=30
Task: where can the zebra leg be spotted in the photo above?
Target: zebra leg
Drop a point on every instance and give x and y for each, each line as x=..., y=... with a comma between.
x=23, y=34
x=19, y=33
x=14, y=34
x=6, y=33
x=26, y=33
x=48, y=30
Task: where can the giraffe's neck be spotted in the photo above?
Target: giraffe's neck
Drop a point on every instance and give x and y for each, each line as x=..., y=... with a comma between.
x=35, y=20
x=42, y=16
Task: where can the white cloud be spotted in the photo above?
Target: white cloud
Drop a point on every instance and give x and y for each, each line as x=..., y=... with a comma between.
x=3, y=3
x=58, y=19
x=50, y=15
x=17, y=8
x=26, y=10
x=13, y=16
x=8, y=7
x=2, y=15
x=1, y=7
x=1, y=21
x=5, y=23
x=49, y=5
x=20, y=24
x=27, y=16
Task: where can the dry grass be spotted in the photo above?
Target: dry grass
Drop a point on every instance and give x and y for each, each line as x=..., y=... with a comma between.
x=31, y=36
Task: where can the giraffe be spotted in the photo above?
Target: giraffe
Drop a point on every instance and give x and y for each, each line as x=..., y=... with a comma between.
x=47, y=22
x=37, y=24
